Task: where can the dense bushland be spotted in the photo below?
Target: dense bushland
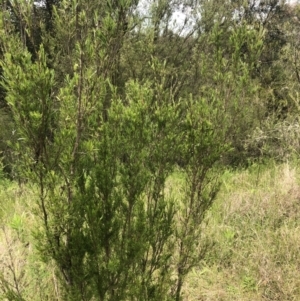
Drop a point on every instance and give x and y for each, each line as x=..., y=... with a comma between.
x=103, y=102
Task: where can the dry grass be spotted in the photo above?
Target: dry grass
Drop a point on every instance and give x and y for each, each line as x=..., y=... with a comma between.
x=23, y=276
x=256, y=228
x=254, y=225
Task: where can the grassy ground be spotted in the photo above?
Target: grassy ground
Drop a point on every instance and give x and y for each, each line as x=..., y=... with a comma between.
x=256, y=229
x=22, y=275
x=254, y=226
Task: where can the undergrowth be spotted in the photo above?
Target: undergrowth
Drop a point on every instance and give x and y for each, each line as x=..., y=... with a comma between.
x=23, y=275
x=253, y=229
x=254, y=225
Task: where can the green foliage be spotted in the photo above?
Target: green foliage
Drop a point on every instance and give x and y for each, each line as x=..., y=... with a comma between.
x=7, y=135
x=99, y=147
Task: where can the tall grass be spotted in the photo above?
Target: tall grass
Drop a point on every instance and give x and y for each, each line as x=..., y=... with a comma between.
x=23, y=275
x=253, y=228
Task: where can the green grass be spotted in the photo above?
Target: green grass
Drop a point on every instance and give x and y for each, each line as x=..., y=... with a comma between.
x=22, y=273
x=254, y=226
